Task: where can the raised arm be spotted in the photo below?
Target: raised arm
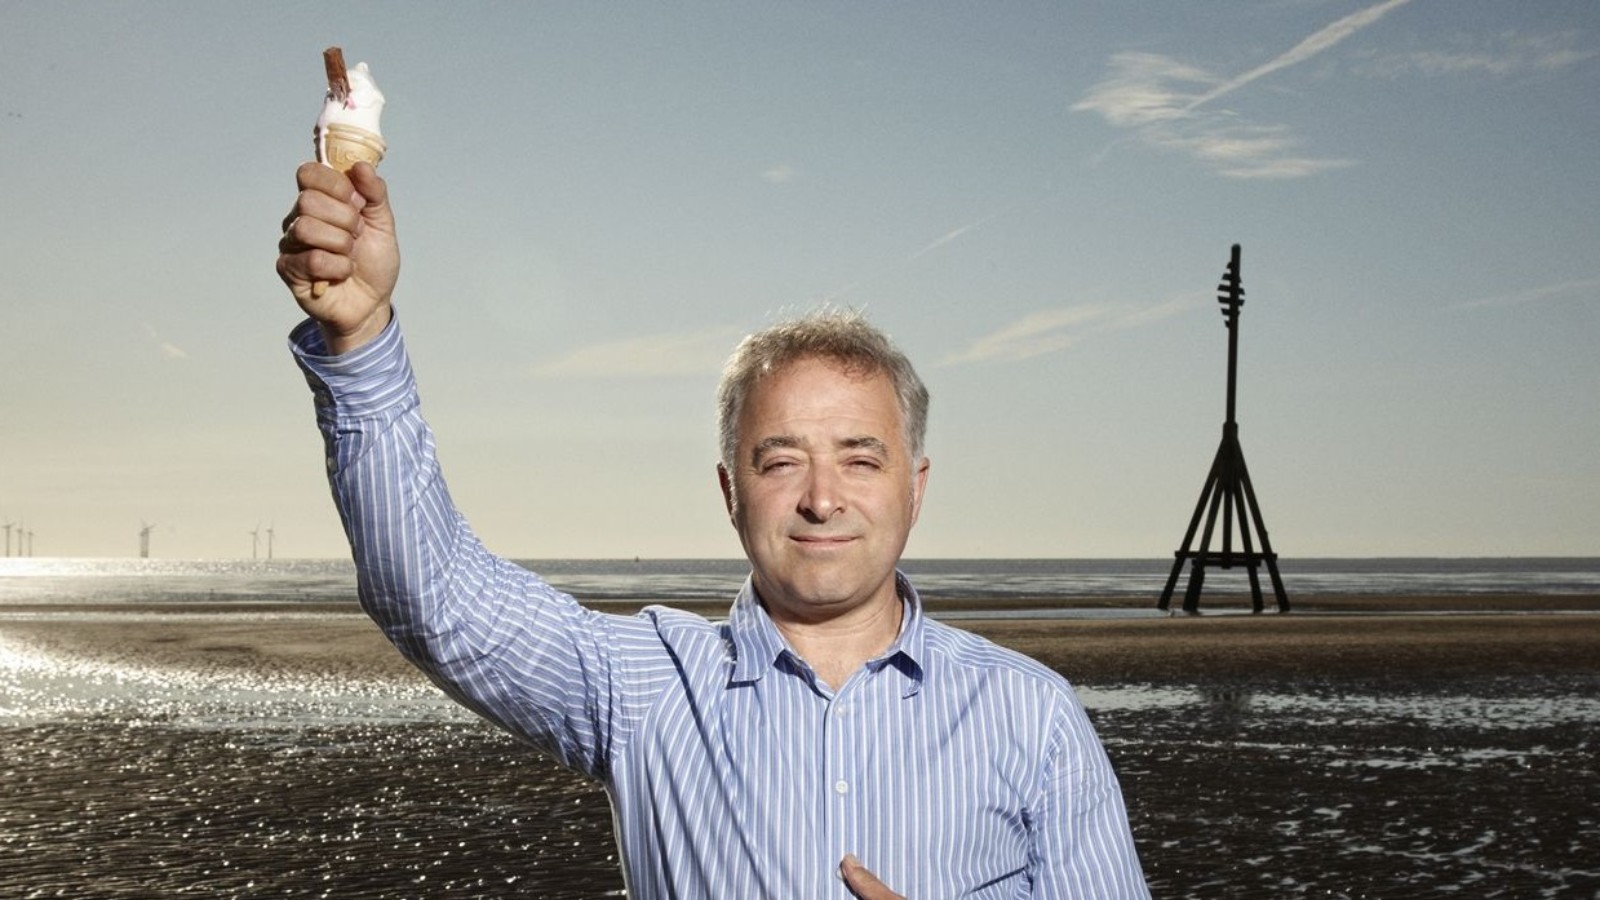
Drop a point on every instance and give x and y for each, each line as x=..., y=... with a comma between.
x=341, y=231
x=493, y=635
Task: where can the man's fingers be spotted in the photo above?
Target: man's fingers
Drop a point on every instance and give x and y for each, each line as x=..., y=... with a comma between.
x=307, y=232
x=327, y=208
x=313, y=250
x=339, y=236
x=862, y=882
x=314, y=176
x=320, y=231
x=314, y=265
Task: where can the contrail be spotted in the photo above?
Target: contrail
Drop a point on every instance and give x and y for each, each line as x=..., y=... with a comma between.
x=936, y=243
x=1306, y=49
x=947, y=238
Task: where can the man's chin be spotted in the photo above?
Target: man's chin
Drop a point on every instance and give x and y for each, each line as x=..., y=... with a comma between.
x=816, y=598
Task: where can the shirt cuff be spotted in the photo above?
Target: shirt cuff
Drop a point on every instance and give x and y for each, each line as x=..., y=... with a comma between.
x=368, y=380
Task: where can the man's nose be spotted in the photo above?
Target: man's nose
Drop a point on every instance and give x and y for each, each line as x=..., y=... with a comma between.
x=823, y=497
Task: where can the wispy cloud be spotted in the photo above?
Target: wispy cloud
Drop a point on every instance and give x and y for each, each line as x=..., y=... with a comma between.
x=1497, y=55
x=649, y=356
x=1146, y=89
x=166, y=349
x=1052, y=330
x=778, y=174
x=1163, y=101
x=1581, y=289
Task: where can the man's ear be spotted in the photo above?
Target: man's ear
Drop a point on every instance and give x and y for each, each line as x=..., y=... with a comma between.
x=919, y=486
x=726, y=481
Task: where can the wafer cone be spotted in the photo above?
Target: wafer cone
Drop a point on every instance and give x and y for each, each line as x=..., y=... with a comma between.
x=342, y=146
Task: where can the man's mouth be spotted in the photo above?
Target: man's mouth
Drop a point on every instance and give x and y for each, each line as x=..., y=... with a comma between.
x=822, y=539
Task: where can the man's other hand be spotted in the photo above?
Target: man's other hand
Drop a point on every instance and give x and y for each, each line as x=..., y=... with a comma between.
x=862, y=882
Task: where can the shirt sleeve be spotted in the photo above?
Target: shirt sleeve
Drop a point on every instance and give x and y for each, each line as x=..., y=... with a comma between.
x=493, y=635
x=1084, y=848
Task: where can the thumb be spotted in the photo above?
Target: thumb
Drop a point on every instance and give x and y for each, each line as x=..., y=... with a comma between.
x=374, y=193
x=862, y=882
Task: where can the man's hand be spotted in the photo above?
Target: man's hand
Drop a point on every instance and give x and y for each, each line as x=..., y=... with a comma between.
x=863, y=883
x=341, y=231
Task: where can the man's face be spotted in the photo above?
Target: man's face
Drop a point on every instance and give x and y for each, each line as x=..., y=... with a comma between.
x=823, y=491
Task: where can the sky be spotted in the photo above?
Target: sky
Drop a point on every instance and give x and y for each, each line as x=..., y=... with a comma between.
x=1035, y=199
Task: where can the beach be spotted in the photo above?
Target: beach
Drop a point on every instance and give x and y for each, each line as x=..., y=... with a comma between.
x=1350, y=637
x=1356, y=747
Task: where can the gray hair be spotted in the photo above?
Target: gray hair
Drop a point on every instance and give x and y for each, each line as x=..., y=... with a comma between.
x=842, y=336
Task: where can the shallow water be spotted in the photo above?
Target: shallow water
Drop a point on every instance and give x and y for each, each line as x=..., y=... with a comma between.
x=103, y=809
x=30, y=580
x=1381, y=790
x=120, y=778
x=40, y=683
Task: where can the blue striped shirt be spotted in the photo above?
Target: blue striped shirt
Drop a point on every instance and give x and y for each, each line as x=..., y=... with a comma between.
x=951, y=766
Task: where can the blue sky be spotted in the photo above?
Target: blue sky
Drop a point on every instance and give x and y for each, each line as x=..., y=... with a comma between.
x=1035, y=199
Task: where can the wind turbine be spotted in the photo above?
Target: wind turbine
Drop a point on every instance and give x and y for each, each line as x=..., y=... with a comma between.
x=269, y=543
x=144, y=539
x=255, y=541
x=8, y=527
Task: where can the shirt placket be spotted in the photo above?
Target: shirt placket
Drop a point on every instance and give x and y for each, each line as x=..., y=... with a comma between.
x=842, y=787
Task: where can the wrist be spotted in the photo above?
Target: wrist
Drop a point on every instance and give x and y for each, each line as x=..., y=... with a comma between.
x=338, y=341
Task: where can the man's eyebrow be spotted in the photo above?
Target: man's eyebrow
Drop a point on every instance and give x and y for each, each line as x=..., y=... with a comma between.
x=789, y=441
x=865, y=442
x=776, y=442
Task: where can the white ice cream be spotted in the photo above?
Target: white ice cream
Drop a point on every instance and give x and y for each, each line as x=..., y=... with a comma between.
x=361, y=109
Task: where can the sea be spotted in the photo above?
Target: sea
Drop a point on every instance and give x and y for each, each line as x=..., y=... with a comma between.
x=137, y=581
x=127, y=775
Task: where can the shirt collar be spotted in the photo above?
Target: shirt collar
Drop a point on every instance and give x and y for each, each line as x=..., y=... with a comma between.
x=758, y=645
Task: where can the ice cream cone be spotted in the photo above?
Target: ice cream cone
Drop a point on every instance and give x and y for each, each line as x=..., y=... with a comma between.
x=347, y=130
x=342, y=146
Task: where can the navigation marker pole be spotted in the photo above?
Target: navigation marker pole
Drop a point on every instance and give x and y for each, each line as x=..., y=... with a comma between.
x=1227, y=489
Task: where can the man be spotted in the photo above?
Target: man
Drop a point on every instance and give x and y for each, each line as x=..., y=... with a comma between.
x=828, y=730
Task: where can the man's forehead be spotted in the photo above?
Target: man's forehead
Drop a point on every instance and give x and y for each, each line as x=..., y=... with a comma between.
x=819, y=380
x=861, y=402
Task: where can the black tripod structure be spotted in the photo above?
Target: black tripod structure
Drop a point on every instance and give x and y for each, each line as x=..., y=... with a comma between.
x=1227, y=489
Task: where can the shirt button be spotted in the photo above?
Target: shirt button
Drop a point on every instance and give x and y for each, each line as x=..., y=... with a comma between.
x=841, y=787
x=841, y=709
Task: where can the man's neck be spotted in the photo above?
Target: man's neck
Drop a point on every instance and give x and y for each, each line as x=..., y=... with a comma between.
x=836, y=648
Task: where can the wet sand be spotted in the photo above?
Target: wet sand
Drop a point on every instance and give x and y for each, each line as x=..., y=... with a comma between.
x=1445, y=751
x=1342, y=637
x=1298, y=645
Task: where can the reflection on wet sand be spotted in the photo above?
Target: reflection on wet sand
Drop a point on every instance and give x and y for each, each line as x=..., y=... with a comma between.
x=191, y=756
